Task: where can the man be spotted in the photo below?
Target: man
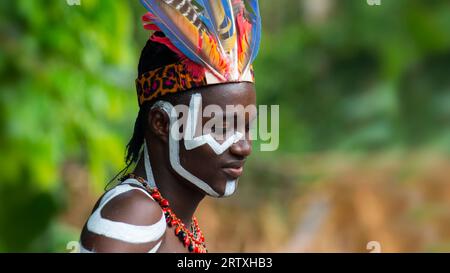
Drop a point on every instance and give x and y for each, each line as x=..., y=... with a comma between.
x=197, y=61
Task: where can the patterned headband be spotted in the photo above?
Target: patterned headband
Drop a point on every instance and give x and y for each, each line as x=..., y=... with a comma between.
x=173, y=78
x=216, y=41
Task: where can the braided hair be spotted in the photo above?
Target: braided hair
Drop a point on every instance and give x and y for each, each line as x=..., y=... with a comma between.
x=154, y=55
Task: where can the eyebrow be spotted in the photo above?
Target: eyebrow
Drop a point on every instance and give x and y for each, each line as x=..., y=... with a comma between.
x=233, y=115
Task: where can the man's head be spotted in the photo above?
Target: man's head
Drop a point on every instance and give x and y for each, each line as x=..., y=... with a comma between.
x=200, y=56
x=212, y=158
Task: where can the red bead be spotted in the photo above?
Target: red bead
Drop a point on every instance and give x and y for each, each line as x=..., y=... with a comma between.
x=177, y=230
x=193, y=243
x=156, y=196
x=186, y=241
x=164, y=203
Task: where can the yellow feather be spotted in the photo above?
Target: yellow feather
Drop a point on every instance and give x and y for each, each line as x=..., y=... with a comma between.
x=228, y=43
x=207, y=49
x=188, y=29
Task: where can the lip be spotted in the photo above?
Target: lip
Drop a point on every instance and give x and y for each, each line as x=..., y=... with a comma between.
x=234, y=172
x=234, y=169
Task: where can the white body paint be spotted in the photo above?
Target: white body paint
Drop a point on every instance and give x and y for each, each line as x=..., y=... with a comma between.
x=191, y=143
x=133, y=234
x=148, y=167
x=153, y=250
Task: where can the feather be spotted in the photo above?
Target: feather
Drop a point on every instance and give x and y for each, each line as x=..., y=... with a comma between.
x=147, y=20
x=249, y=32
x=221, y=35
x=219, y=16
x=180, y=22
x=195, y=69
x=255, y=18
x=220, y=13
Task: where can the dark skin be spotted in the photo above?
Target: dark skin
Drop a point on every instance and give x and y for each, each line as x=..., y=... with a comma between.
x=134, y=207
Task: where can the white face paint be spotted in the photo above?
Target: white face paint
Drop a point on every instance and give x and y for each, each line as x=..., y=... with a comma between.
x=192, y=142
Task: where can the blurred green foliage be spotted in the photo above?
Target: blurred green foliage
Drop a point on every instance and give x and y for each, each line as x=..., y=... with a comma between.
x=363, y=78
x=347, y=76
x=66, y=95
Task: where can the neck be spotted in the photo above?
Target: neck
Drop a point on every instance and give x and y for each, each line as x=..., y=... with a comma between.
x=183, y=197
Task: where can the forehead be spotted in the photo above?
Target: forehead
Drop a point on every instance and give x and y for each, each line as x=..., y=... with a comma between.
x=229, y=94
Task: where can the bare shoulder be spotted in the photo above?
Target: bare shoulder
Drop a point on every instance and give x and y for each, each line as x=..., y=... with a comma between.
x=133, y=207
x=129, y=221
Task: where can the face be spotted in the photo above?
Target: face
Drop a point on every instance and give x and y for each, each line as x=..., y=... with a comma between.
x=218, y=159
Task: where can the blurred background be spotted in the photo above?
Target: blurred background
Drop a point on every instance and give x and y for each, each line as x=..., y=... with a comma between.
x=364, y=94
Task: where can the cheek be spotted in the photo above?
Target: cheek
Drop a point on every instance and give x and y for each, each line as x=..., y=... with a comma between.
x=201, y=162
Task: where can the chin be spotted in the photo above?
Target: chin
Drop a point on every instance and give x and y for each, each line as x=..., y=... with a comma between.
x=230, y=188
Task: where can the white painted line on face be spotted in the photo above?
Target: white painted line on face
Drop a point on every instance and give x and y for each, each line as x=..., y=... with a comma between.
x=174, y=154
x=230, y=188
x=191, y=142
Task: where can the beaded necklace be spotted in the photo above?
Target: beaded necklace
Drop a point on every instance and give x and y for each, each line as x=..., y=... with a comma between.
x=191, y=238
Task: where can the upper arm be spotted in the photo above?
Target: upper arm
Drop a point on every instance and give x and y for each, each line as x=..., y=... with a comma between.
x=133, y=224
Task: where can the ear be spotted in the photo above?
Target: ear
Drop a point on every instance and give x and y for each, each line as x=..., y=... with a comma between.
x=158, y=122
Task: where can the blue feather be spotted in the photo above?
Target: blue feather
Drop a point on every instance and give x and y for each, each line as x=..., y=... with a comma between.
x=209, y=16
x=255, y=20
x=171, y=30
x=209, y=21
x=205, y=4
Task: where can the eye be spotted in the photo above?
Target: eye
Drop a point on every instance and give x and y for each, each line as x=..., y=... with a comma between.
x=218, y=129
x=250, y=125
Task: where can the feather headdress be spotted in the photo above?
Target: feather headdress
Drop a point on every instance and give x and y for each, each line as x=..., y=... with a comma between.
x=218, y=38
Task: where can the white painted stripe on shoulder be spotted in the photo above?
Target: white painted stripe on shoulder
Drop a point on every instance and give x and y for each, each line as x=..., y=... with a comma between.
x=84, y=250
x=123, y=231
x=155, y=248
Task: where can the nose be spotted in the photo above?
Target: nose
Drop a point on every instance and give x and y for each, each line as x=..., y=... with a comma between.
x=242, y=148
